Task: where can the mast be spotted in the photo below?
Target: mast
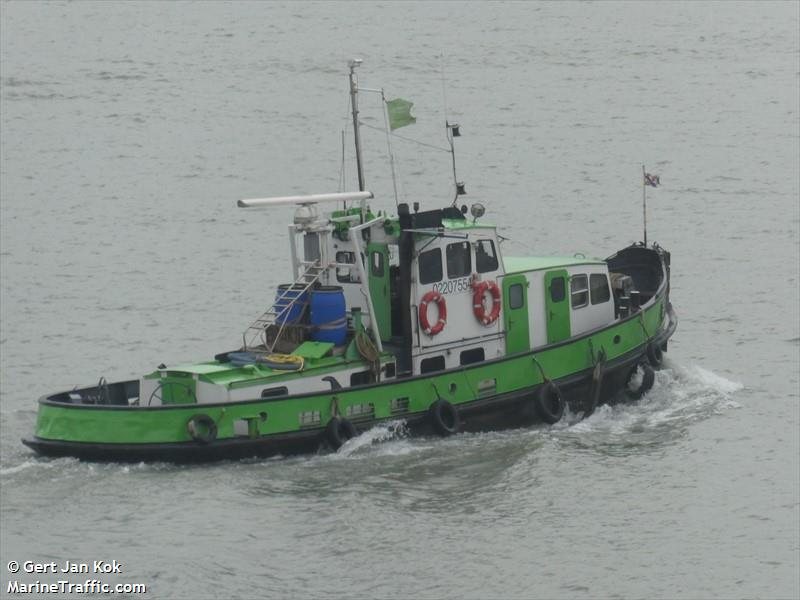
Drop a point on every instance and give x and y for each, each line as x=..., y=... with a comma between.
x=353, y=63
x=644, y=204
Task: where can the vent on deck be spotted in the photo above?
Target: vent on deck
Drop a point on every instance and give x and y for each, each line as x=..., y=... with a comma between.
x=356, y=412
x=487, y=387
x=399, y=406
x=310, y=418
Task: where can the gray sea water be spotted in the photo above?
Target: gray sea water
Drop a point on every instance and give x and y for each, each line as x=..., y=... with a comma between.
x=129, y=130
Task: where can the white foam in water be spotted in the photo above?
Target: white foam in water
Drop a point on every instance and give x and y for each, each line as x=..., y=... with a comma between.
x=679, y=394
x=21, y=467
x=392, y=430
x=36, y=463
x=711, y=379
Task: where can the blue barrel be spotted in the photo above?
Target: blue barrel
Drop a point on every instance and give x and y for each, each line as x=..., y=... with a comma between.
x=328, y=315
x=287, y=311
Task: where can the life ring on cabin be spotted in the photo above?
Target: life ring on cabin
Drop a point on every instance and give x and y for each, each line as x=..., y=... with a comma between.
x=202, y=428
x=444, y=417
x=436, y=297
x=549, y=403
x=648, y=378
x=338, y=431
x=477, y=301
x=655, y=355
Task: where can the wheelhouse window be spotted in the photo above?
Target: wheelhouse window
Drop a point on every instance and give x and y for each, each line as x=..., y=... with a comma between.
x=346, y=274
x=598, y=288
x=430, y=266
x=485, y=256
x=579, y=290
x=311, y=246
x=459, y=261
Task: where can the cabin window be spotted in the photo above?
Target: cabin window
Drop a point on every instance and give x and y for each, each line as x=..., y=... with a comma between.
x=377, y=264
x=516, y=297
x=275, y=392
x=475, y=355
x=557, y=289
x=598, y=288
x=429, y=365
x=459, y=261
x=311, y=246
x=360, y=378
x=485, y=256
x=346, y=274
x=430, y=266
x=579, y=290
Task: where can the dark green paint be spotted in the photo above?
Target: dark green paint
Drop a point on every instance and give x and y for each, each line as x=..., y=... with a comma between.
x=378, y=269
x=516, y=319
x=556, y=312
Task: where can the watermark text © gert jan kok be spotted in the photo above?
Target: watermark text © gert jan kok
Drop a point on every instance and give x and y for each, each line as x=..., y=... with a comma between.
x=97, y=566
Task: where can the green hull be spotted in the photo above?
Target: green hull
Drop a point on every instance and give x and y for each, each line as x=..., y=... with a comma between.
x=494, y=393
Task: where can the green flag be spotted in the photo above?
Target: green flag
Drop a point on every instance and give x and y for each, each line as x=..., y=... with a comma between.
x=399, y=113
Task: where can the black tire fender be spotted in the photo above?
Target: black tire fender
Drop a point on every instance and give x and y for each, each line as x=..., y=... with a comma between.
x=444, y=417
x=655, y=355
x=338, y=431
x=202, y=428
x=648, y=379
x=549, y=403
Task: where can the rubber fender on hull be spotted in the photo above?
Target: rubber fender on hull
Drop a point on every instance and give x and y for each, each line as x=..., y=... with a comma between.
x=648, y=378
x=655, y=355
x=445, y=418
x=338, y=431
x=202, y=428
x=549, y=403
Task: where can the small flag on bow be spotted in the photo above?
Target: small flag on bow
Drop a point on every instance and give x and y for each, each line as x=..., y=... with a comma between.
x=399, y=113
x=652, y=180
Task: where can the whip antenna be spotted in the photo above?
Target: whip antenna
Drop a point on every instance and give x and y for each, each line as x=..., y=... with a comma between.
x=652, y=181
x=453, y=131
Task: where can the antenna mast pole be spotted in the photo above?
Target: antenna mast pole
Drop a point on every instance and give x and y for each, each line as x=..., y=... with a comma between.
x=644, y=203
x=353, y=63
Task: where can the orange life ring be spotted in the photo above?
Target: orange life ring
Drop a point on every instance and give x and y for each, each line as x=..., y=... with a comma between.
x=477, y=302
x=432, y=296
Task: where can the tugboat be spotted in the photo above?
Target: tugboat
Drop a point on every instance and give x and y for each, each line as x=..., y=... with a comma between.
x=417, y=317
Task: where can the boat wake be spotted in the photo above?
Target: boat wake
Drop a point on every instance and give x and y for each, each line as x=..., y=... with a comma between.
x=28, y=466
x=681, y=395
x=385, y=432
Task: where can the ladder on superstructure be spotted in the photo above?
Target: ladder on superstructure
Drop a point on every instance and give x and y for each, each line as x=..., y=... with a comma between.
x=258, y=328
